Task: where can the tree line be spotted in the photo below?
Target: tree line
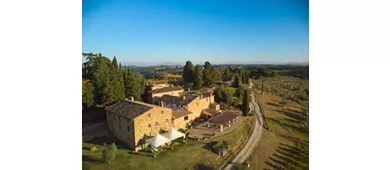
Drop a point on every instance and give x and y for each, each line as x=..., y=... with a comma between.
x=200, y=76
x=106, y=81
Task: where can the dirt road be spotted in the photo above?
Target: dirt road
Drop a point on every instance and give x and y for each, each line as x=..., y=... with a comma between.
x=244, y=154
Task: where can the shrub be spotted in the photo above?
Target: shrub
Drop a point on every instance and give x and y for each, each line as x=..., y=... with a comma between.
x=93, y=149
x=109, y=153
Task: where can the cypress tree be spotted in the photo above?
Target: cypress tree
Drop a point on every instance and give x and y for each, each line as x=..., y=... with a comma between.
x=198, y=77
x=134, y=85
x=245, y=103
x=188, y=72
x=121, y=86
x=227, y=75
x=236, y=81
x=207, y=74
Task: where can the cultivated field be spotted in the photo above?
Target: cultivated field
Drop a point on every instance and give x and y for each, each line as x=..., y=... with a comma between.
x=285, y=145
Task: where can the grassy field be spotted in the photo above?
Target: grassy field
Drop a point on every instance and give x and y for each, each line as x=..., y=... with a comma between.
x=193, y=155
x=288, y=128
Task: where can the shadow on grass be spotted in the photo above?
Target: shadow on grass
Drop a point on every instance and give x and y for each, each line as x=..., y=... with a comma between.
x=209, y=146
x=142, y=153
x=273, y=165
x=273, y=104
x=296, y=140
x=108, y=140
x=203, y=167
x=295, y=115
x=289, y=157
x=92, y=159
x=285, y=124
x=93, y=115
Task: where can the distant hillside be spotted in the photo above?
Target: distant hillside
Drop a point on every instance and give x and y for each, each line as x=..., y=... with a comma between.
x=300, y=73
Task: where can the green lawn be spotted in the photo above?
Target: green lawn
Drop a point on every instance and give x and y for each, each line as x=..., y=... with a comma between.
x=286, y=129
x=194, y=154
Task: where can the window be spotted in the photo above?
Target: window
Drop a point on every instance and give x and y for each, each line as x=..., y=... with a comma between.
x=119, y=117
x=197, y=104
x=120, y=127
x=207, y=99
x=162, y=111
x=185, y=117
x=150, y=125
x=155, y=123
x=166, y=120
x=149, y=115
x=128, y=128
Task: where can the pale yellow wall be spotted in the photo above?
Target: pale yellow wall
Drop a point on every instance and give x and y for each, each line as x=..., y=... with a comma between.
x=139, y=126
x=141, y=123
x=180, y=123
x=196, y=106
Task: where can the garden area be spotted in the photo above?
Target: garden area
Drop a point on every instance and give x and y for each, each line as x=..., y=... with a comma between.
x=190, y=155
x=286, y=144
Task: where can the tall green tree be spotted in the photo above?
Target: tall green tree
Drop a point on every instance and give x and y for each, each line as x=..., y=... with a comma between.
x=102, y=81
x=188, y=72
x=237, y=81
x=216, y=76
x=263, y=74
x=226, y=74
x=245, y=103
x=133, y=85
x=207, y=74
x=88, y=94
x=198, y=77
x=117, y=85
x=121, y=84
x=227, y=95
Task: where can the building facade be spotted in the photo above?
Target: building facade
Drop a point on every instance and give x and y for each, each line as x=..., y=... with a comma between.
x=133, y=122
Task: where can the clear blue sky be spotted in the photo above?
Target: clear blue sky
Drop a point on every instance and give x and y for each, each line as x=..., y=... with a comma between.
x=221, y=31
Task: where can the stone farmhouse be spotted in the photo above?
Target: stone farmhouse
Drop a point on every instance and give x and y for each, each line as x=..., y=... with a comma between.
x=133, y=122
x=188, y=107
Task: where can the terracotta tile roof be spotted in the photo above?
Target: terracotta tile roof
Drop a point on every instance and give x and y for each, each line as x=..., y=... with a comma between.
x=178, y=99
x=180, y=113
x=205, y=94
x=210, y=111
x=224, y=117
x=129, y=109
x=167, y=89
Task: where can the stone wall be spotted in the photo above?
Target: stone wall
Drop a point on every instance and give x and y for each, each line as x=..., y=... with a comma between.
x=180, y=123
x=122, y=128
x=150, y=123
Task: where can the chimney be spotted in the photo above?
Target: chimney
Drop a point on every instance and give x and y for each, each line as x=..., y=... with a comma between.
x=184, y=97
x=132, y=98
x=201, y=95
x=162, y=103
x=189, y=89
